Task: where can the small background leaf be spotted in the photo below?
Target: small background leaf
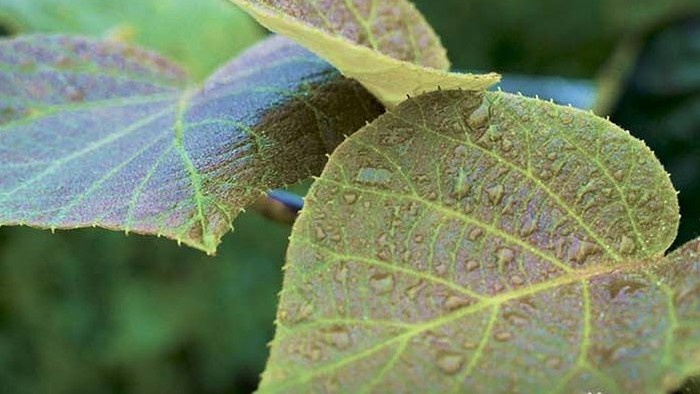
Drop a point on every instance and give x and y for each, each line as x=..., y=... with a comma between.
x=387, y=46
x=487, y=244
x=102, y=134
x=200, y=35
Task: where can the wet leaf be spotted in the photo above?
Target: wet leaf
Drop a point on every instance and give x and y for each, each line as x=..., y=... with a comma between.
x=488, y=243
x=102, y=134
x=386, y=45
x=200, y=35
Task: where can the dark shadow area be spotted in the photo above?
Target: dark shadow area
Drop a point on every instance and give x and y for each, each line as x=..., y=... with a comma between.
x=660, y=104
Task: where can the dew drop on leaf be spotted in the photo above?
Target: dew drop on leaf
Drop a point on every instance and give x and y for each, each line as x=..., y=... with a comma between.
x=382, y=283
x=618, y=175
x=505, y=256
x=472, y=265
x=554, y=363
x=503, y=336
x=627, y=245
x=475, y=233
x=413, y=291
x=454, y=302
x=320, y=233
x=529, y=226
x=374, y=176
x=495, y=194
x=621, y=287
x=350, y=198
x=449, y=362
x=517, y=280
x=341, y=272
x=338, y=337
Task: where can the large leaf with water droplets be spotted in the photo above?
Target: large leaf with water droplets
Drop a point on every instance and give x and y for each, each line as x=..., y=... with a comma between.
x=102, y=134
x=386, y=45
x=487, y=243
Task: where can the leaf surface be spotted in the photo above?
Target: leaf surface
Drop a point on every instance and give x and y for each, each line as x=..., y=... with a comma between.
x=487, y=243
x=102, y=134
x=385, y=45
x=200, y=35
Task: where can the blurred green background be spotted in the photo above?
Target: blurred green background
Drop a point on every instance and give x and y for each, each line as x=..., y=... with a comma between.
x=92, y=311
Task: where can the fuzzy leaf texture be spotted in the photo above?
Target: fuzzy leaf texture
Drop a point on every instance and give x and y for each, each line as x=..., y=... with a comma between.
x=488, y=243
x=385, y=45
x=102, y=134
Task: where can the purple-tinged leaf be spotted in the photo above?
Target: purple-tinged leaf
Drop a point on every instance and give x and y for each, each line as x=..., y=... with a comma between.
x=102, y=134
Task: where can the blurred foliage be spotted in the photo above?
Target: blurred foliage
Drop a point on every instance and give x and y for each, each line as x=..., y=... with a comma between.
x=92, y=311
x=660, y=103
x=570, y=38
x=200, y=34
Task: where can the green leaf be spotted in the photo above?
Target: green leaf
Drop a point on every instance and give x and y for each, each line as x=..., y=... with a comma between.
x=201, y=35
x=387, y=46
x=487, y=243
x=103, y=134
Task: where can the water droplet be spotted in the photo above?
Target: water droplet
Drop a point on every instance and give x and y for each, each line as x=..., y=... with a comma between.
x=528, y=227
x=479, y=119
x=554, y=363
x=374, y=176
x=619, y=175
x=341, y=272
x=505, y=256
x=581, y=250
x=382, y=283
x=462, y=187
x=475, y=233
x=517, y=280
x=472, y=265
x=627, y=245
x=506, y=145
x=454, y=302
x=449, y=362
x=461, y=151
x=495, y=194
x=350, y=198
x=619, y=287
x=412, y=292
x=567, y=118
x=320, y=233
x=313, y=352
x=469, y=345
x=441, y=269
x=338, y=337
x=503, y=336
x=384, y=254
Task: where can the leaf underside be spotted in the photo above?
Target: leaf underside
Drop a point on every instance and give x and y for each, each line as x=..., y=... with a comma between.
x=102, y=134
x=488, y=243
x=385, y=45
